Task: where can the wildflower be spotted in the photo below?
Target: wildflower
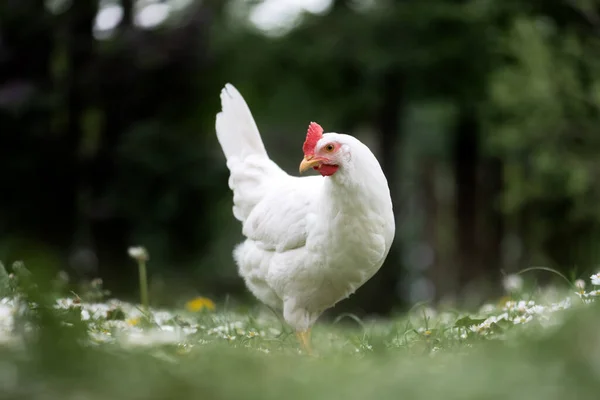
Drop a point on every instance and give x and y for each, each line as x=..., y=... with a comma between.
x=218, y=329
x=101, y=337
x=595, y=279
x=580, y=284
x=6, y=316
x=522, y=306
x=98, y=310
x=200, y=303
x=162, y=317
x=184, y=349
x=522, y=319
x=512, y=283
x=424, y=332
x=267, y=351
x=494, y=319
x=487, y=308
x=133, y=321
x=85, y=315
x=563, y=305
x=480, y=329
x=153, y=337
x=65, y=303
x=190, y=330
x=536, y=310
x=118, y=324
x=138, y=253
x=141, y=256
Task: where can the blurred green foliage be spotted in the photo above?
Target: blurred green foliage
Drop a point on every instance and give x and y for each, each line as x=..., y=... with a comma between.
x=483, y=114
x=55, y=356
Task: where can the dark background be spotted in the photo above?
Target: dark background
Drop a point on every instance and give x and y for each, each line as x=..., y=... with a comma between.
x=484, y=114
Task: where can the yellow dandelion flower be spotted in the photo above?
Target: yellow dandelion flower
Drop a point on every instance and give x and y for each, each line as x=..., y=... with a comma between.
x=200, y=303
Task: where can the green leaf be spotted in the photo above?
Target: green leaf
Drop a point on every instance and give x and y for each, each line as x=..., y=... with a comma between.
x=500, y=326
x=467, y=321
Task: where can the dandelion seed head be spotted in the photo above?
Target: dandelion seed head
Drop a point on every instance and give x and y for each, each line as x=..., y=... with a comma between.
x=138, y=253
x=512, y=283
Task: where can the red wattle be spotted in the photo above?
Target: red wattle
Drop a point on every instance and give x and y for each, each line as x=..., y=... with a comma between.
x=327, y=170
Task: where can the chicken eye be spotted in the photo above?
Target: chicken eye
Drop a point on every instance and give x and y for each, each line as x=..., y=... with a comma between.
x=329, y=148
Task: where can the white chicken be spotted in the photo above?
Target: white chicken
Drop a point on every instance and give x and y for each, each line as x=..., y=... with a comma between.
x=310, y=241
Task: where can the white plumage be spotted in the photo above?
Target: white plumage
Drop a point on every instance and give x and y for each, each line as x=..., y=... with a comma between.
x=310, y=241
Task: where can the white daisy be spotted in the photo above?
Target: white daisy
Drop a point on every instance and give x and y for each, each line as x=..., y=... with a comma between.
x=487, y=308
x=509, y=305
x=538, y=309
x=522, y=319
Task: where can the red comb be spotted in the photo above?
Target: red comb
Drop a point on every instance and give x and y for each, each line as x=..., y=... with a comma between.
x=314, y=134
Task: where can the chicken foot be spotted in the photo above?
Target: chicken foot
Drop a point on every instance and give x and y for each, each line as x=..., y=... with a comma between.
x=304, y=339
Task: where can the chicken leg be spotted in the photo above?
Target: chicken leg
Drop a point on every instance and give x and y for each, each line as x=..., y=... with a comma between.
x=304, y=339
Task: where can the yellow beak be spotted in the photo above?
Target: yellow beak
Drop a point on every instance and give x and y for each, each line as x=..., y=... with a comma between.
x=308, y=163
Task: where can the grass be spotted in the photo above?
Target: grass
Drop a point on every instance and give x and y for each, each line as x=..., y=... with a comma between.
x=532, y=346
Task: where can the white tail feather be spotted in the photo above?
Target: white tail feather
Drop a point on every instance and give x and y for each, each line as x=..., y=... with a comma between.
x=236, y=130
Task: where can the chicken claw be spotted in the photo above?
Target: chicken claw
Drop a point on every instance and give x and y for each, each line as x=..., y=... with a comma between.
x=304, y=339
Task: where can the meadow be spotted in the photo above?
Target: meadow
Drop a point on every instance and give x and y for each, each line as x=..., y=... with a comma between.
x=532, y=344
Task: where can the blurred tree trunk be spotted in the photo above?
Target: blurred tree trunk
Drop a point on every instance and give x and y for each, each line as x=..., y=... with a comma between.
x=492, y=221
x=526, y=236
x=466, y=154
x=380, y=293
x=479, y=219
x=128, y=91
x=439, y=276
x=128, y=14
x=80, y=45
x=26, y=47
